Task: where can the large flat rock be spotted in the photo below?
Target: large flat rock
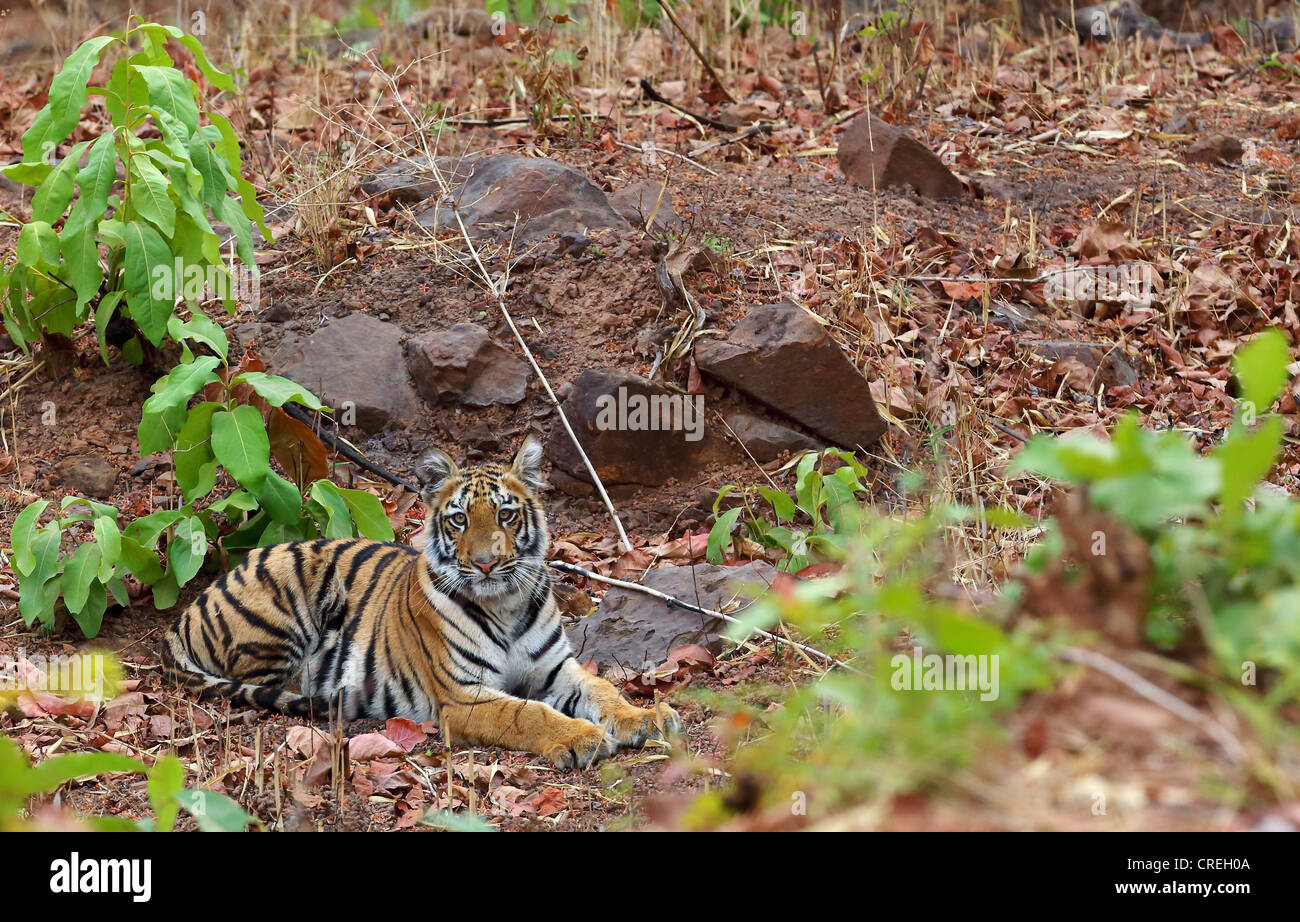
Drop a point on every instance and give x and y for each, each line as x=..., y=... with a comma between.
x=637, y=630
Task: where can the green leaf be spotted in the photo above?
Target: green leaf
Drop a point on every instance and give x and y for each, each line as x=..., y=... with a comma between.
x=149, y=196
x=67, y=96
x=29, y=174
x=81, y=265
x=229, y=150
x=109, y=540
x=52, y=197
x=95, y=180
x=338, y=520
x=80, y=571
x=1245, y=459
x=195, y=464
x=720, y=535
x=163, y=415
x=23, y=534
x=146, y=529
x=240, y=443
x=91, y=616
x=276, y=390
x=218, y=78
x=280, y=499
x=200, y=328
x=103, y=314
x=215, y=812
x=37, y=242
x=368, y=514
x=141, y=560
x=1261, y=372
x=149, y=259
x=187, y=550
x=166, y=781
x=50, y=774
x=165, y=592
x=170, y=92
x=781, y=503
x=204, y=159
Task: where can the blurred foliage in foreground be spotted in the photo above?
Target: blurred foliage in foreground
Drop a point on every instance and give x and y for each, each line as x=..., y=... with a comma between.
x=1154, y=544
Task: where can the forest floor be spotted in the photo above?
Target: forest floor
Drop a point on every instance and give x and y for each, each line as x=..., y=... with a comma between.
x=1064, y=150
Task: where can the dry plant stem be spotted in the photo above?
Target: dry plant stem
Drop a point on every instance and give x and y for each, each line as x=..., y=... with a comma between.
x=672, y=600
x=713, y=75
x=1157, y=695
x=498, y=294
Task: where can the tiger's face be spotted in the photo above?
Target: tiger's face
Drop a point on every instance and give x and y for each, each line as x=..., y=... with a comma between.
x=485, y=533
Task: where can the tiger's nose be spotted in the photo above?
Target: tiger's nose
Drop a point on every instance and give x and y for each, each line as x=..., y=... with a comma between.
x=484, y=562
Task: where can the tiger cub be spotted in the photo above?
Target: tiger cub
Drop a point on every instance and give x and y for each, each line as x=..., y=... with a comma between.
x=462, y=629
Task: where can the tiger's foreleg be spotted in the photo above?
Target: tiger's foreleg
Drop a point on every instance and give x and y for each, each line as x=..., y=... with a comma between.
x=491, y=718
x=576, y=691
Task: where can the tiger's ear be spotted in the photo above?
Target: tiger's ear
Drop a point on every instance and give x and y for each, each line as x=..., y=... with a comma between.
x=527, y=465
x=433, y=470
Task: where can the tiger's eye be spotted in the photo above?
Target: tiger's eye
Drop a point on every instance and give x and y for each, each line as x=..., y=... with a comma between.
x=506, y=516
x=458, y=519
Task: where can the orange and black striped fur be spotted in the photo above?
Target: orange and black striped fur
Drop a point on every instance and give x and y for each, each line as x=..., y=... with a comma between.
x=464, y=630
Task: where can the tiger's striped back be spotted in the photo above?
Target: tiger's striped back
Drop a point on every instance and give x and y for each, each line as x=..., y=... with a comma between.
x=285, y=628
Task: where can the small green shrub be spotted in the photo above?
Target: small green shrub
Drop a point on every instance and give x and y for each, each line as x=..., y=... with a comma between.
x=1225, y=555
x=127, y=246
x=227, y=430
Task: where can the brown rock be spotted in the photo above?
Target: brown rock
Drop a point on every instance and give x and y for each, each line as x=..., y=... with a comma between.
x=89, y=476
x=638, y=202
x=626, y=425
x=767, y=440
x=878, y=155
x=465, y=363
x=1214, y=149
x=524, y=198
x=636, y=630
x=780, y=355
x=355, y=363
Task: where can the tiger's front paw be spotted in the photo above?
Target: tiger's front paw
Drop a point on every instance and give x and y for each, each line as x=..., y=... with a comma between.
x=580, y=745
x=633, y=726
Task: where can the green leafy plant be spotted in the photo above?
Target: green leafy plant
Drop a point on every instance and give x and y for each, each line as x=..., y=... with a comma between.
x=226, y=430
x=854, y=735
x=101, y=245
x=810, y=524
x=1225, y=553
x=20, y=782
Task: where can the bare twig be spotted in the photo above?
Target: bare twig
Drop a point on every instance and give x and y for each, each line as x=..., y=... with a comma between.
x=498, y=294
x=713, y=75
x=564, y=567
x=1157, y=695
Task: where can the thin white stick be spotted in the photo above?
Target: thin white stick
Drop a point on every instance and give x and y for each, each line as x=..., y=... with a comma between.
x=499, y=295
x=1157, y=695
x=672, y=600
